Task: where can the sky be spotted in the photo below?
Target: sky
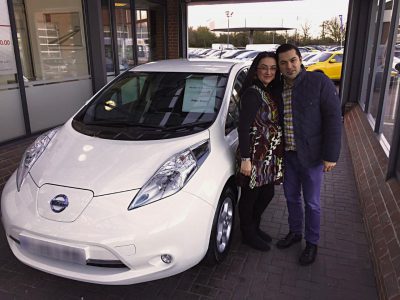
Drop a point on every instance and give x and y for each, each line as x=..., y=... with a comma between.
x=265, y=14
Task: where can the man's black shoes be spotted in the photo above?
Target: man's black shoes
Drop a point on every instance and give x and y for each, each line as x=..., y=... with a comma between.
x=290, y=239
x=309, y=254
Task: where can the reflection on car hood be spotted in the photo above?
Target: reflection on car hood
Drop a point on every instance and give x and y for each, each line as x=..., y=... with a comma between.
x=104, y=166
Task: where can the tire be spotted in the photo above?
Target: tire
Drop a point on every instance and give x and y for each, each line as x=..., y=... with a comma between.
x=222, y=228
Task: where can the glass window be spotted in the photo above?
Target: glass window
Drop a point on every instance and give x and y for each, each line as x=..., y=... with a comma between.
x=149, y=30
x=398, y=165
x=232, y=117
x=142, y=36
x=51, y=39
x=392, y=99
x=108, y=41
x=338, y=57
x=153, y=106
x=123, y=22
x=8, y=68
x=391, y=104
x=380, y=59
x=23, y=40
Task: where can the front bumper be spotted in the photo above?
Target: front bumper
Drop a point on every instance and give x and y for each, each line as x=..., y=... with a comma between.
x=108, y=244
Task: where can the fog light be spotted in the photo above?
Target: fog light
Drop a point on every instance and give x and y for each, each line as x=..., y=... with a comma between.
x=166, y=258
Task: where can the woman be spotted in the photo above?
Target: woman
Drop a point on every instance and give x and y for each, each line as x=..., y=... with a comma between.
x=260, y=149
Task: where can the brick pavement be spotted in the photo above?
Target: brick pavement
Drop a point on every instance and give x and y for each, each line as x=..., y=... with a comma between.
x=343, y=269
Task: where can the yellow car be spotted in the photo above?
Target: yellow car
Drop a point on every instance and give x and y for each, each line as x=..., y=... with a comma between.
x=327, y=62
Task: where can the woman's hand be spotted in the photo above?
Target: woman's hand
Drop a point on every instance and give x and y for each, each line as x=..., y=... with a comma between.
x=245, y=167
x=328, y=166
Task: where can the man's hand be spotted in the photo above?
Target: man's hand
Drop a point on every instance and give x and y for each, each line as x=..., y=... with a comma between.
x=328, y=166
x=245, y=168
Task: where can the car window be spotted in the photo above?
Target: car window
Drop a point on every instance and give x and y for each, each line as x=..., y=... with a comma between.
x=127, y=90
x=308, y=57
x=320, y=57
x=166, y=101
x=232, y=117
x=338, y=57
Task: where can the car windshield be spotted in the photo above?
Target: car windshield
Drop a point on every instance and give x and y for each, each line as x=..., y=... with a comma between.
x=156, y=105
x=320, y=57
x=308, y=56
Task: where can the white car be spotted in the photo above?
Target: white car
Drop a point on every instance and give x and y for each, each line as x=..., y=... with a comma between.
x=248, y=55
x=139, y=184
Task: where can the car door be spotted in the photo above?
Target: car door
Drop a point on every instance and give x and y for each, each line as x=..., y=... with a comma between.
x=335, y=68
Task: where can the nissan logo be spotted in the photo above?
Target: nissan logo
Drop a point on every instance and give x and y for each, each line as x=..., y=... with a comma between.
x=59, y=203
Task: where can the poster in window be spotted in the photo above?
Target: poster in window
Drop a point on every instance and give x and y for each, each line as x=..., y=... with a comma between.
x=200, y=94
x=7, y=59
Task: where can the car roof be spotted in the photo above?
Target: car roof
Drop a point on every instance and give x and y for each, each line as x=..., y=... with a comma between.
x=330, y=52
x=189, y=65
x=333, y=52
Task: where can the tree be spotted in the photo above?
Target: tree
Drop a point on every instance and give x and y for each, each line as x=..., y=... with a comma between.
x=323, y=30
x=201, y=37
x=305, y=28
x=333, y=29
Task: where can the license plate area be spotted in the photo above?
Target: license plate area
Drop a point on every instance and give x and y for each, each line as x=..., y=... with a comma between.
x=57, y=251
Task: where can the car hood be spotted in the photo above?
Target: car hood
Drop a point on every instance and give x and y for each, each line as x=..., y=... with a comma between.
x=104, y=166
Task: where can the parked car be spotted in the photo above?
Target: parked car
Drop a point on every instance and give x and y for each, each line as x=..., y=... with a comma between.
x=138, y=184
x=307, y=56
x=336, y=48
x=200, y=53
x=249, y=55
x=217, y=54
x=304, y=50
x=327, y=62
x=233, y=53
x=208, y=53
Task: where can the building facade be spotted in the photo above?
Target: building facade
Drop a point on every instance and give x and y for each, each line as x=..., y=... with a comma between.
x=54, y=55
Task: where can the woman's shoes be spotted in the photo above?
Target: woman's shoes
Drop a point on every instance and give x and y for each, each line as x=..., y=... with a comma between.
x=256, y=238
x=265, y=236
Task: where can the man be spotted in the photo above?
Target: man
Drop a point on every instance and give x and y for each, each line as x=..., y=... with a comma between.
x=312, y=127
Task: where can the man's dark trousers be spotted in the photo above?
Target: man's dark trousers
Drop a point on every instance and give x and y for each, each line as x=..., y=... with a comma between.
x=297, y=179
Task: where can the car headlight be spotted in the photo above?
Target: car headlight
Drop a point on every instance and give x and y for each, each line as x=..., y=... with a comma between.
x=172, y=175
x=32, y=154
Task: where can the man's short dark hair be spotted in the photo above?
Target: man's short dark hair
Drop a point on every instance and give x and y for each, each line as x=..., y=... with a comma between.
x=287, y=47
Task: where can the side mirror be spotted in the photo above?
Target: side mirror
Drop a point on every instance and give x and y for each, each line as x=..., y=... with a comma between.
x=332, y=61
x=397, y=67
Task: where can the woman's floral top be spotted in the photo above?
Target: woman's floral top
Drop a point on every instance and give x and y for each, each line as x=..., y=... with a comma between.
x=266, y=145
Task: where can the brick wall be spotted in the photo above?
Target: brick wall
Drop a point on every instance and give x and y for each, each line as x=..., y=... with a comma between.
x=158, y=36
x=173, y=32
x=380, y=202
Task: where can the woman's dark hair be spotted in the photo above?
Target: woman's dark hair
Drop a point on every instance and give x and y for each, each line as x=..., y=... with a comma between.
x=251, y=77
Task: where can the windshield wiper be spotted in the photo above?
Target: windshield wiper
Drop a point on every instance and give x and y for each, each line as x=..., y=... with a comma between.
x=115, y=123
x=189, y=125
x=125, y=124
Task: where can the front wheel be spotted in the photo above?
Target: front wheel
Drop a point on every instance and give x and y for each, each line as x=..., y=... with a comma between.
x=222, y=229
